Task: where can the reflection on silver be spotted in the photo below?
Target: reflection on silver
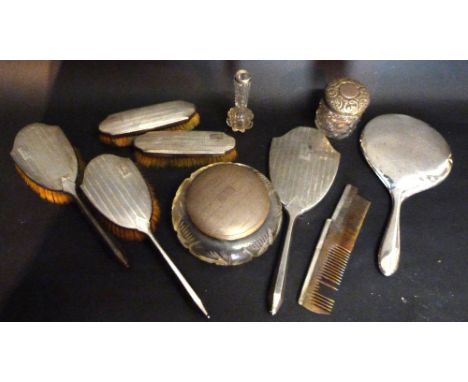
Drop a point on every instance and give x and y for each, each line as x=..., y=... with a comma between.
x=117, y=189
x=185, y=142
x=45, y=155
x=303, y=165
x=147, y=118
x=408, y=156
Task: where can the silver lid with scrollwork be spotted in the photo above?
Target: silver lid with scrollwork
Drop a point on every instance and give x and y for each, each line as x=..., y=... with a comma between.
x=343, y=105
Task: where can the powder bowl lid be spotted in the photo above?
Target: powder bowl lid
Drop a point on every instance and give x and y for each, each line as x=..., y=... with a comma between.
x=226, y=213
x=227, y=201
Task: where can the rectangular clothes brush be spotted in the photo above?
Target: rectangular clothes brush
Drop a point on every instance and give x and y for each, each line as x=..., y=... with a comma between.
x=121, y=128
x=184, y=148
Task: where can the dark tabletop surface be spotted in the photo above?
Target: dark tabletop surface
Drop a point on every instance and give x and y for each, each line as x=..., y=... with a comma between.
x=53, y=267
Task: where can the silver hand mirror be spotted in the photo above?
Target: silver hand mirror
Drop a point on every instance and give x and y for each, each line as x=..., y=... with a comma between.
x=303, y=165
x=408, y=156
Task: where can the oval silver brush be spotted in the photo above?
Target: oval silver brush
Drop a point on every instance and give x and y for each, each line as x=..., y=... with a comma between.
x=115, y=186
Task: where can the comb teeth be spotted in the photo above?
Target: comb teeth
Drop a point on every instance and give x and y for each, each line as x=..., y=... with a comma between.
x=330, y=276
x=333, y=252
x=335, y=266
x=319, y=303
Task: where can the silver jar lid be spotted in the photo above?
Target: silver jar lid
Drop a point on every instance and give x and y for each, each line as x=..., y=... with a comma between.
x=341, y=108
x=226, y=213
x=347, y=96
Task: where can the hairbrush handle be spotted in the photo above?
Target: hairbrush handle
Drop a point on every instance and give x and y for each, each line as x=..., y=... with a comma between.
x=105, y=236
x=389, y=253
x=196, y=299
x=280, y=280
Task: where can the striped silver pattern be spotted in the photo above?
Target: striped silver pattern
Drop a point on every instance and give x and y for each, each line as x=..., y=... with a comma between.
x=185, y=142
x=44, y=153
x=147, y=118
x=303, y=165
x=115, y=186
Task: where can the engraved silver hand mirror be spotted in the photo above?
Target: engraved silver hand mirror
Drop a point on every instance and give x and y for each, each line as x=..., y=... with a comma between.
x=408, y=156
x=303, y=165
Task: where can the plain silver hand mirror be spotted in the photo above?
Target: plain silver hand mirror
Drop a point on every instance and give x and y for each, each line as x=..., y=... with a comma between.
x=303, y=165
x=408, y=156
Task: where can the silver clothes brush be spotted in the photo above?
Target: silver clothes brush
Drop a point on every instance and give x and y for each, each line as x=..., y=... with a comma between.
x=121, y=128
x=184, y=148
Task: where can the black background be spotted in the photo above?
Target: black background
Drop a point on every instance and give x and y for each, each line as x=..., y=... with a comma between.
x=53, y=267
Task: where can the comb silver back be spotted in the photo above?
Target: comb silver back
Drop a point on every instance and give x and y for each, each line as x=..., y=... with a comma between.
x=115, y=186
x=147, y=118
x=185, y=142
x=45, y=155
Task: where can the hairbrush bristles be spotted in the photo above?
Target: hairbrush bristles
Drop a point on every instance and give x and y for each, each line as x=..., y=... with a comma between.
x=190, y=124
x=317, y=302
x=152, y=160
x=57, y=197
x=134, y=235
x=127, y=140
x=329, y=275
x=119, y=141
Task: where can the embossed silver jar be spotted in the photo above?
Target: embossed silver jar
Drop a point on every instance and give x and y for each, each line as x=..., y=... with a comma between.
x=343, y=105
x=226, y=213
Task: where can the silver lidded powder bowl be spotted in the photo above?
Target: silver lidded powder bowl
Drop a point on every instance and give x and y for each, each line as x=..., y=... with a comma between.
x=226, y=213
